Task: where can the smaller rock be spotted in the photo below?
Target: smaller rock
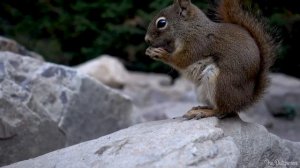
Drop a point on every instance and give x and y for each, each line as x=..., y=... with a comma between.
x=283, y=97
x=284, y=128
x=162, y=111
x=148, y=79
x=259, y=113
x=6, y=130
x=159, y=90
x=106, y=69
x=2, y=71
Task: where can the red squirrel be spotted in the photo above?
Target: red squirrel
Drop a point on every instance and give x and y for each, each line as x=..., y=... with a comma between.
x=228, y=61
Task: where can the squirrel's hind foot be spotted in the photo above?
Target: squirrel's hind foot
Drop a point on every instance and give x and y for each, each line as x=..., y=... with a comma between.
x=204, y=112
x=200, y=112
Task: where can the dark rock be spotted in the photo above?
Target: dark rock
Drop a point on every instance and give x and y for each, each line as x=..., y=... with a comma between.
x=12, y=46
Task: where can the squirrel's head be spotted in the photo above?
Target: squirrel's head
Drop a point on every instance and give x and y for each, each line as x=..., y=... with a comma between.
x=171, y=23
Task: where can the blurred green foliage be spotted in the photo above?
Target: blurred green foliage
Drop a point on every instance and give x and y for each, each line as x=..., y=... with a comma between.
x=285, y=16
x=71, y=32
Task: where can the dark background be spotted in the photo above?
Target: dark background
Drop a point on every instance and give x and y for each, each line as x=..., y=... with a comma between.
x=71, y=32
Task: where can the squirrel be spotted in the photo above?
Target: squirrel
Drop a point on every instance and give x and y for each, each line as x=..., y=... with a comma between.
x=228, y=61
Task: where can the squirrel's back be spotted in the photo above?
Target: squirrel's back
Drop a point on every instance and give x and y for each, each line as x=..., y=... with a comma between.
x=230, y=11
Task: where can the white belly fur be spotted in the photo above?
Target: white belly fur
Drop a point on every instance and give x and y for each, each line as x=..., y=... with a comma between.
x=204, y=75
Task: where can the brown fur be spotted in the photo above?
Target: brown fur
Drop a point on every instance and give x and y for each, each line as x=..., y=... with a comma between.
x=239, y=46
x=230, y=11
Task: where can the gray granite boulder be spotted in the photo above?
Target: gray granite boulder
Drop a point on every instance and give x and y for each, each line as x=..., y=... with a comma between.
x=177, y=143
x=44, y=107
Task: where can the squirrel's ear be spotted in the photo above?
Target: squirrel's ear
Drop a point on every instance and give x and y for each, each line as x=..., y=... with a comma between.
x=183, y=5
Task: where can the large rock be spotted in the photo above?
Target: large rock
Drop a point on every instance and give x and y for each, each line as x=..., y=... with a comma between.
x=12, y=46
x=178, y=143
x=44, y=107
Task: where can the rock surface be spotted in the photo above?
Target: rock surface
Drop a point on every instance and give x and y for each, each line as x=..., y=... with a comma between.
x=12, y=46
x=44, y=107
x=178, y=143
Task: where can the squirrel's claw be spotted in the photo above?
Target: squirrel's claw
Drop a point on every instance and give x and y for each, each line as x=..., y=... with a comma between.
x=157, y=53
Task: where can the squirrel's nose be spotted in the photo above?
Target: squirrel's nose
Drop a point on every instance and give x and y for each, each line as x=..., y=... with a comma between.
x=148, y=39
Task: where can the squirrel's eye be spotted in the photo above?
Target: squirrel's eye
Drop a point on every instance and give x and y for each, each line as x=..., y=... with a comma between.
x=161, y=23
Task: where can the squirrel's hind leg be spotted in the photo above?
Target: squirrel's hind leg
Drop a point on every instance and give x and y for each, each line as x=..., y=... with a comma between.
x=206, y=94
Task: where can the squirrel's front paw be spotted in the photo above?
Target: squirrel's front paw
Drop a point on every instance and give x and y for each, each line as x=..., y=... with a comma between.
x=157, y=53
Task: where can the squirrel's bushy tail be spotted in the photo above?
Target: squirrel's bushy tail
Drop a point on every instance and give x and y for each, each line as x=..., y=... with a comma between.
x=230, y=11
